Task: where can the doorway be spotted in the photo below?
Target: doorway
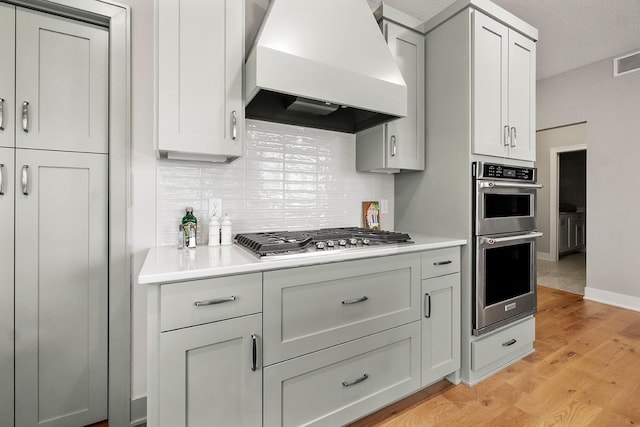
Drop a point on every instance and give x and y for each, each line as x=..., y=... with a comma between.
x=562, y=207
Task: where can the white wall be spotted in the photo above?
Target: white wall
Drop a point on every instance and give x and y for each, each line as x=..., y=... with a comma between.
x=611, y=107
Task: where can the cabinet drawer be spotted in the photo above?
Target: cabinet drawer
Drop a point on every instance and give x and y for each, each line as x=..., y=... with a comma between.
x=440, y=262
x=502, y=343
x=310, y=308
x=329, y=387
x=219, y=298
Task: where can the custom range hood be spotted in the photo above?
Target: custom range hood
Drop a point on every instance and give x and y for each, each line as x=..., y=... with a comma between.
x=323, y=64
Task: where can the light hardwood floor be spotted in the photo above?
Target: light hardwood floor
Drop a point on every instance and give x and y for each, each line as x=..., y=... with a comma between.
x=585, y=372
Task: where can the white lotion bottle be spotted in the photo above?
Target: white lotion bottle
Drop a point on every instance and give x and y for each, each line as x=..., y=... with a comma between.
x=214, y=231
x=225, y=233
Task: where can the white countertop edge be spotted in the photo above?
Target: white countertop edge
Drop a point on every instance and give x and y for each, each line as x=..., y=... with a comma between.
x=163, y=264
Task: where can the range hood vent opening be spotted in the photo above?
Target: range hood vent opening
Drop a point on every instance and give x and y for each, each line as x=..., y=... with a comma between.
x=323, y=64
x=276, y=107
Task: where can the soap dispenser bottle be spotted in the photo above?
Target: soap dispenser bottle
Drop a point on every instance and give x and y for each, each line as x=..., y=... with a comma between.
x=214, y=231
x=225, y=231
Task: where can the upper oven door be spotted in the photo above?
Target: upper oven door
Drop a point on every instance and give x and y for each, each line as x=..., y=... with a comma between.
x=504, y=207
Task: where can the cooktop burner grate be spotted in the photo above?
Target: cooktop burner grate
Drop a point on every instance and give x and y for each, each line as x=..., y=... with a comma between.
x=283, y=242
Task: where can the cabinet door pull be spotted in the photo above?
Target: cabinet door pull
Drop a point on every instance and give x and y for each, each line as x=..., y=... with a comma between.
x=427, y=306
x=1, y=113
x=514, y=136
x=234, y=125
x=25, y=180
x=25, y=116
x=443, y=262
x=510, y=342
x=505, y=136
x=215, y=301
x=1, y=179
x=356, y=381
x=355, y=300
x=254, y=352
x=394, y=146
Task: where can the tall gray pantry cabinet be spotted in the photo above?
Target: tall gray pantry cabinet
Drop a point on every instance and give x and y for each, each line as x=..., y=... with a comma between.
x=53, y=219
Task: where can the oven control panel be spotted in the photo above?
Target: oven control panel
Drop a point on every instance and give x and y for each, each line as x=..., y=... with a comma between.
x=496, y=171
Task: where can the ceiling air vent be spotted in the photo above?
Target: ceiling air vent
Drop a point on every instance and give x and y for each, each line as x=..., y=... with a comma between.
x=626, y=64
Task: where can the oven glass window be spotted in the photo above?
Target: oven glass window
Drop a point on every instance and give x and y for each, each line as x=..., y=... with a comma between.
x=507, y=272
x=506, y=205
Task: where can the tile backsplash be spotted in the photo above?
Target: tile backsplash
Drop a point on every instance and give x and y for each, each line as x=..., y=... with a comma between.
x=289, y=178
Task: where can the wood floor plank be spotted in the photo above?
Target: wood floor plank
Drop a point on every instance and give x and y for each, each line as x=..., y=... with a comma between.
x=585, y=372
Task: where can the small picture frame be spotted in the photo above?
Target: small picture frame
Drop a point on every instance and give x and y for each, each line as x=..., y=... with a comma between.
x=371, y=215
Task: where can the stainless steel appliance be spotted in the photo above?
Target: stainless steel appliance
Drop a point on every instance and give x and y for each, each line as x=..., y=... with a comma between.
x=504, y=245
x=317, y=242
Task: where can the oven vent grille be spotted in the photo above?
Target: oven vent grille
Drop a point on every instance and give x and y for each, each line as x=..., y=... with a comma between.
x=626, y=64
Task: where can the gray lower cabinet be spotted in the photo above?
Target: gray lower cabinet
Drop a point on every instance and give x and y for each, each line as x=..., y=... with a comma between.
x=572, y=232
x=340, y=384
x=204, y=352
x=209, y=374
x=61, y=285
x=6, y=285
x=440, y=327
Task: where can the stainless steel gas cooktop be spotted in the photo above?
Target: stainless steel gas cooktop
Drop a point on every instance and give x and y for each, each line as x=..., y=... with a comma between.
x=310, y=242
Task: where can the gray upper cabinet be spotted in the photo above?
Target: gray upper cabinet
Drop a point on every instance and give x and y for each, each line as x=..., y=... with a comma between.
x=61, y=84
x=398, y=145
x=504, y=76
x=7, y=74
x=200, y=57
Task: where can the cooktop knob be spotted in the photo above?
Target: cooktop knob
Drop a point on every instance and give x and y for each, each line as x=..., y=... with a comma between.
x=353, y=241
x=330, y=243
x=342, y=242
x=366, y=241
x=319, y=245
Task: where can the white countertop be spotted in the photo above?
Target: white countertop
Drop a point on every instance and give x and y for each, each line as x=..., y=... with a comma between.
x=169, y=264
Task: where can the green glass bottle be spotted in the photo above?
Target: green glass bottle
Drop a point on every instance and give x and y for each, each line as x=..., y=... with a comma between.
x=190, y=226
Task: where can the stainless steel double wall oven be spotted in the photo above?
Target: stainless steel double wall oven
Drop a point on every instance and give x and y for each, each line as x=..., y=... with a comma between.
x=504, y=244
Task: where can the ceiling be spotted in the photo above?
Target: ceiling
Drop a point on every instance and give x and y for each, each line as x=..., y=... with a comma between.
x=572, y=33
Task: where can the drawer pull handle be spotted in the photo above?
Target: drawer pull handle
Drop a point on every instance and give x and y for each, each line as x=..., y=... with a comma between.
x=1, y=179
x=356, y=381
x=510, y=342
x=443, y=262
x=427, y=306
x=254, y=352
x=355, y=300
x=215, y=301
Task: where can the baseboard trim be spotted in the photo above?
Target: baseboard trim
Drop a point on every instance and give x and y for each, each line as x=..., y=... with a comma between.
x=612, y=298
x=544, y=256
x=138, y=411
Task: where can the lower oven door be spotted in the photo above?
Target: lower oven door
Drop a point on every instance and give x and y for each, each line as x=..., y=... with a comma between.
x=505, y=279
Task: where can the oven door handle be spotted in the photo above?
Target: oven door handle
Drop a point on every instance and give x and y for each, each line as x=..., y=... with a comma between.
x=492, y=184
x=492, y=240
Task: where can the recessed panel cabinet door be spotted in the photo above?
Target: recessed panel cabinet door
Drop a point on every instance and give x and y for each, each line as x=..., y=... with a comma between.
x=61, y=292
x=200, y=58
x=522, y=96
x=7, y=73
x=490, y=85
x=209, y=377
x=405, y=137
x=6, y=285
x=62, y=83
